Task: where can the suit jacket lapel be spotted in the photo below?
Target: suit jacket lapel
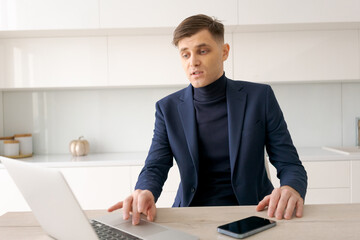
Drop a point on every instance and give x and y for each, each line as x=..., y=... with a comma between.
x=188, y=120
x=236, y=105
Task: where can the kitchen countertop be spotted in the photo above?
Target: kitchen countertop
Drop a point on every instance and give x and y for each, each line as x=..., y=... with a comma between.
x=91, y=160
x=318, y=154
x=308, y=154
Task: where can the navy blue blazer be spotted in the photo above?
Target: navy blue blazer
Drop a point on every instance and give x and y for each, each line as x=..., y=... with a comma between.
x=255, y=121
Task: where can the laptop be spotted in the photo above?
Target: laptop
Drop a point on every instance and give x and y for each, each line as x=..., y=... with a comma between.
x=60, y=215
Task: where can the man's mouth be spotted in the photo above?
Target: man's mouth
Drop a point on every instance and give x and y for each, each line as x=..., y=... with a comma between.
x=196, y=73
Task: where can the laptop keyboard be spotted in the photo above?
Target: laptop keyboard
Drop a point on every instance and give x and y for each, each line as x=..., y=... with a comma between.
x=106, y=232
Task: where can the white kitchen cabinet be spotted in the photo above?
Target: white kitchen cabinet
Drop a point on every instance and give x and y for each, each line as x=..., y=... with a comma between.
x=334, y=174
x=162, y=13
x=328, y=181
x=44, y=14
x=170, y=187
x=10, y=197
x=94, y=14
x=355, y=181
x=328, y=196
x=107, y=43
x=145, y=60
x=54, y=62
x=1, y=114
x=2, y=64
x=149, y=61
x=296, y=56
x=98, y=187
x=294, y=11
x=94, y=187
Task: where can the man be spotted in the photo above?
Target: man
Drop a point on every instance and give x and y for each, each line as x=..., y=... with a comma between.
x=216, y=130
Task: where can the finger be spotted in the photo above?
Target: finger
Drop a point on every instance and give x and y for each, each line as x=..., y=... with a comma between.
x=299, y=208
x=282, y=203
x=145, y=201
x=274, y=198
x=142, y=203
x=115, y=207
x=135, y=212
x=127, y=207
x=290, y=208
x=151, y=213
x=146, y=205
x=263, y=203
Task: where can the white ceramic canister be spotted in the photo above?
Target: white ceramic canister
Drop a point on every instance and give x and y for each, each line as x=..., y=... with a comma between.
x=2, y=139
x=26, y=146
x=11, y=148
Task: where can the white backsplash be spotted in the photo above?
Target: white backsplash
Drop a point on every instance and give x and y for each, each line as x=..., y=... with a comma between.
x=350, y=111
x=1, y=115
x=320, y=114
x=111, y=120
x=313, y=112
x=120, y=120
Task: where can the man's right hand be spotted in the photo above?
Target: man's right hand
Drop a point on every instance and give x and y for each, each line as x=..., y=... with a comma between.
x=140, y=201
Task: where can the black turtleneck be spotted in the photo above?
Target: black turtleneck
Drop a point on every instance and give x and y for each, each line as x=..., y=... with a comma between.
x=214, y=183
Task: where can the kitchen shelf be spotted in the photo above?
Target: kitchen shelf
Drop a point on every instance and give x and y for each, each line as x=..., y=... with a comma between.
x=91, y=160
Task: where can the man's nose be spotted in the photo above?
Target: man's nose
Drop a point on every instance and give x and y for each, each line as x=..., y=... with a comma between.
x=194, y=61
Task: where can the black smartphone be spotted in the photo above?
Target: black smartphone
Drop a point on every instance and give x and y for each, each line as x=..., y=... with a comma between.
x=246, y=227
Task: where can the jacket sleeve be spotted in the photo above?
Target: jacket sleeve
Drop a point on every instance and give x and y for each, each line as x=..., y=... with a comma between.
x=159, y=159
x=280, y=148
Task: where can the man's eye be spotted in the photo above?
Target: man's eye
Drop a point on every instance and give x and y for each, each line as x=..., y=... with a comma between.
x=203, y=52
x=185, y=55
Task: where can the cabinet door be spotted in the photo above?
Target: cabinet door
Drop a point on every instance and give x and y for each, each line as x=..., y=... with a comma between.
x=98, y=187
x=11, y=198
x=294, y=11
x=355, y=181
x=328, y=182
x=2, y=64
x=54, y=62
x=1, y=114
x=162, y=13
x=144, y=60
x=296, y=56
x=149, y=60
x=170, y=187
x=45, y=14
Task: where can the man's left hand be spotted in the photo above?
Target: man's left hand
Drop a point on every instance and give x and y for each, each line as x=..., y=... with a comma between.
x=282, y=202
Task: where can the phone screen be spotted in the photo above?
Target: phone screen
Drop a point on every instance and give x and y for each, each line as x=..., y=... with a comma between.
x=246, y=227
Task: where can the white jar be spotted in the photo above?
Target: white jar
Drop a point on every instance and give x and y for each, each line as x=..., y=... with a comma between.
x=11, y=148
x=25, y=140
x=2, y=139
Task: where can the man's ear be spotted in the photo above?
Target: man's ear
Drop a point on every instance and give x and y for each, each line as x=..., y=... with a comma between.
x=226, y=50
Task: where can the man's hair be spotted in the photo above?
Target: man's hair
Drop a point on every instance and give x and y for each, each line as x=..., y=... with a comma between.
x=195, y=24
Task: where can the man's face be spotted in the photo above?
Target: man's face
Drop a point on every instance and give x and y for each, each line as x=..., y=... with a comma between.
x=202, y=58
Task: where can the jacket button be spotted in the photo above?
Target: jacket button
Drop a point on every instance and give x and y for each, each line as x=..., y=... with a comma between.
x=192, y=189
